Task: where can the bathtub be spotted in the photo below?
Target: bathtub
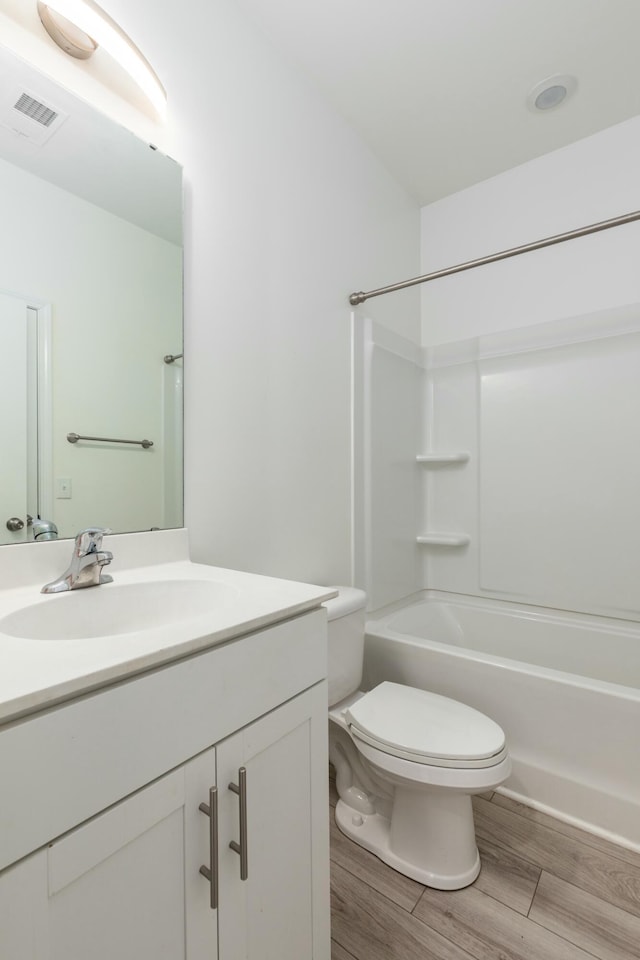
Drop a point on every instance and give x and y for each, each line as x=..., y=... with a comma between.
x=564, y=687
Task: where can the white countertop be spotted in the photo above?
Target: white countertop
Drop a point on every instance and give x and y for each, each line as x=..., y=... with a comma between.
x=35, y=674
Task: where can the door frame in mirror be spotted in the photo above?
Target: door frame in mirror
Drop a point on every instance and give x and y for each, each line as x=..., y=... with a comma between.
x=44, y=426
x=37, y=318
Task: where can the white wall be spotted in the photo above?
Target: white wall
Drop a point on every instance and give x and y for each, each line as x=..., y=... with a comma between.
x=287, y=213
x=114, y=292
x=591, y=180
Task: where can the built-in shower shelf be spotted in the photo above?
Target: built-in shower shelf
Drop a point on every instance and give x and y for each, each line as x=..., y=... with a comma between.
x=445, y=539
x=453, y=457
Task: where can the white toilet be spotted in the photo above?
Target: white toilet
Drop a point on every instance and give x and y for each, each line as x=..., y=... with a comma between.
x=407, y=762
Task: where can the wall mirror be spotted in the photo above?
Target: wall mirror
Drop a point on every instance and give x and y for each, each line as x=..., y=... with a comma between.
x=90, y=317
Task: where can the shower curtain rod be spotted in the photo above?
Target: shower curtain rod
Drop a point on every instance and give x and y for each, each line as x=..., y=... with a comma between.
x=360, y=297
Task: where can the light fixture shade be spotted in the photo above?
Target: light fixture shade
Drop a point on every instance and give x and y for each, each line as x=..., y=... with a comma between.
x=67, y=35
x=98, y=25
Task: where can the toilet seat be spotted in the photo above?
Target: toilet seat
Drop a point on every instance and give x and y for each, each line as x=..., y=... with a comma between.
x=425, y=728
x=468, y=779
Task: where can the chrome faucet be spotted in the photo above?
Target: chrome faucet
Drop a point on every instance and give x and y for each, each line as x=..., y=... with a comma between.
x=87, y=561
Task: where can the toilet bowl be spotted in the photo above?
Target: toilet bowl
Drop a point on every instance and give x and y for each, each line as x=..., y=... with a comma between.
x=407, y=762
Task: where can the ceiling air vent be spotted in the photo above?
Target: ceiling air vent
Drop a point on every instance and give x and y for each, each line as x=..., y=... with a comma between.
x=36, y=110
x=29, y=116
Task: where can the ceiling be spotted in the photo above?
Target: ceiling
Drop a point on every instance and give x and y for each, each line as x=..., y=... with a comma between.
x=438, y=88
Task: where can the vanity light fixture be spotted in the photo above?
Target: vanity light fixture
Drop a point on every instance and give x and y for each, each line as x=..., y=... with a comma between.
x=79, y=27
x=550, y=93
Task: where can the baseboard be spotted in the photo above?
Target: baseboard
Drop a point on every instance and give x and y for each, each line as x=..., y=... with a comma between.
x=582, y=805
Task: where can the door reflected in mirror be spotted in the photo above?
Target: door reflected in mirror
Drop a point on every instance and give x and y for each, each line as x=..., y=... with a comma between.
x=90, y=307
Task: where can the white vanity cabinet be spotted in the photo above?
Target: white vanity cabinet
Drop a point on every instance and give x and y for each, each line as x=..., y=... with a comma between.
x=127, y=881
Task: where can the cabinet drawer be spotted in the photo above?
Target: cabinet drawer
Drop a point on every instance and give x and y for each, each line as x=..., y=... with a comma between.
x=64, y=765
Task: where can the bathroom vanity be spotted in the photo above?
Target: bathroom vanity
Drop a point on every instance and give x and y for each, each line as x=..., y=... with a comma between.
x=164, y=790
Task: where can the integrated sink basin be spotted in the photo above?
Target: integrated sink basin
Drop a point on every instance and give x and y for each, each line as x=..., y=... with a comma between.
x=116, y=609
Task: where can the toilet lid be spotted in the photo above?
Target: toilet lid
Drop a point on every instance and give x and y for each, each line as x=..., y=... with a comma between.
x=413, y=723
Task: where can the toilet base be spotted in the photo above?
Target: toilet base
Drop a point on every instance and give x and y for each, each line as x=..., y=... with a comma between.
x=440, y=866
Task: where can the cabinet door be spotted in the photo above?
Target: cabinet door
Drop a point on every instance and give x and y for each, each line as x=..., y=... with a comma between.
x=23, y=909
x=281, y=911
x=116, y=884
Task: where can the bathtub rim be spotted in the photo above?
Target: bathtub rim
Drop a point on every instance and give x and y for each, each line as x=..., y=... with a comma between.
x=378, y=624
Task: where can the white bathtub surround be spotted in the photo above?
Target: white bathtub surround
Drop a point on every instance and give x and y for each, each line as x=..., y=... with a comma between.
x=548, y=414
x=501, y=466
x=564, y=687
x=173, y=437
x=387, y=423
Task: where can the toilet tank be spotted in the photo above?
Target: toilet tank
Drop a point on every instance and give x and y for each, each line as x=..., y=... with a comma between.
x=345, y=615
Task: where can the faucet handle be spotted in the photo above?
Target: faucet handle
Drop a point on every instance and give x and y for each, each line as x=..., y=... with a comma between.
x=89, y=540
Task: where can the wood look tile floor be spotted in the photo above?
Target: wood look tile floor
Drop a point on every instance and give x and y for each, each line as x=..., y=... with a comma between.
x=546, y=891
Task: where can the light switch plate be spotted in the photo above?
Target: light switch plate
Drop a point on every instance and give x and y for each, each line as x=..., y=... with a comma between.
x=63, y=488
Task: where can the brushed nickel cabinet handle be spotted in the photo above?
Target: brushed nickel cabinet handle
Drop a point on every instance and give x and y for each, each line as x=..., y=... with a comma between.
x=211, y=872
x=242, y=848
